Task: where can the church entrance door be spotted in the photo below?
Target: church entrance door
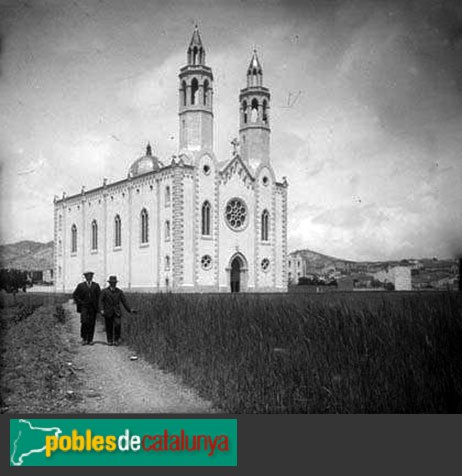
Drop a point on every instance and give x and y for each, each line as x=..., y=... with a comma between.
x=236, y=267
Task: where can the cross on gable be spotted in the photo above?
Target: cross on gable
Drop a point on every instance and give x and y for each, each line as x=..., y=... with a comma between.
x=235, y=144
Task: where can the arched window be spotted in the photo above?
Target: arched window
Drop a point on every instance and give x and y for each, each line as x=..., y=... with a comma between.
x=265, y=112
x=73, y=239
x=264, y=225
x=195, y=55
x=167, y=230
x=194, y=89
x=254, y=111
x=244, y=110
x=206, y=218
x=167, y=263
x=206, y=92
x=94, y=235
x=117, y=231
x=144, y=226
x=184, y=91
x=167, y=196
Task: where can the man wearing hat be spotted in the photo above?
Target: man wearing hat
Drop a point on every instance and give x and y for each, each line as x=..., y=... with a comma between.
x=86, y=296
x=110, y=305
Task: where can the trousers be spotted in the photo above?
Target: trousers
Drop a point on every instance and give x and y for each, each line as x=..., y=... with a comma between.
x=113, y=326
x=87, y=324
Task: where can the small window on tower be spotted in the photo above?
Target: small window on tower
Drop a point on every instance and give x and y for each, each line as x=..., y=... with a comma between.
x=254, y=77
x=244, y=111
x=184, y=91
x=206, y=92
x=265, y=112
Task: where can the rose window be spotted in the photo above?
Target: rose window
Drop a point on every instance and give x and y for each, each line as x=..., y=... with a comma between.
x=236, y=214
x=206, y=261
x=265, y=264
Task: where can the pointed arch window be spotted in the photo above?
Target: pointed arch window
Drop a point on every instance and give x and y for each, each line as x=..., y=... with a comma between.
x=184, y=92
x=254, y=111
x=167, y=230
x=265, y=225
x=117, y=231
x=206, y=92
x=74, y=239
x=167, y=196
x=206, y=218
x=265, y=112
x=244, y=110
x=194, y=91
x=94, y=235
x=254, y=77
x=144, y=226
x=195, y=52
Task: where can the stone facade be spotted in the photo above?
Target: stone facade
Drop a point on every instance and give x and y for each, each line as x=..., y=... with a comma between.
x=196, y=224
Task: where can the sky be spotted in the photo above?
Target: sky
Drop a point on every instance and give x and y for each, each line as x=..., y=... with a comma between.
x=366, y=109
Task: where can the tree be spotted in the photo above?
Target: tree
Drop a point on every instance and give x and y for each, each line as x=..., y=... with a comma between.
x=11, y=280
x=389, y=286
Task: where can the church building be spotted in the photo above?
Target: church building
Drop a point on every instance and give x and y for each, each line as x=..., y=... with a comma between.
x=194, y=222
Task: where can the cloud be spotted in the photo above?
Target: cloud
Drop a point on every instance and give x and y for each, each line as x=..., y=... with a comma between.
x=366, y=109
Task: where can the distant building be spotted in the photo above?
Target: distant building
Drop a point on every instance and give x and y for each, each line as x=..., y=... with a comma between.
x=47, y=276
x=399, y=276
x=296, y=266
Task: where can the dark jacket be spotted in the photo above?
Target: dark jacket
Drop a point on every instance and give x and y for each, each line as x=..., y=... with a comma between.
x=111, y=302
x=87, y=296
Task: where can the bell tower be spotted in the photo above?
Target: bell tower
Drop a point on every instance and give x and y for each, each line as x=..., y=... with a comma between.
x=254, y=130
x=196, y=99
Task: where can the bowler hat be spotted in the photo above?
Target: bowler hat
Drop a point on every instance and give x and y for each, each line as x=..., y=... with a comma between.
x=112, y=279
x=88, y=273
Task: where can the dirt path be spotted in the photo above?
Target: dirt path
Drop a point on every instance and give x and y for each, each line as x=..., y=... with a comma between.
x=113, y=383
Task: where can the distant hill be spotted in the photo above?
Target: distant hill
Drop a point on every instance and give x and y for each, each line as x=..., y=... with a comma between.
x=27, y=255
x=318, y=260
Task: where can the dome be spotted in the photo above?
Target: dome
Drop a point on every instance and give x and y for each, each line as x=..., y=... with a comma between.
x=147, y=163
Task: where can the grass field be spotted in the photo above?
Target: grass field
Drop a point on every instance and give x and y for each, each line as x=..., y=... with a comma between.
x=336, y=353
x=33, y=360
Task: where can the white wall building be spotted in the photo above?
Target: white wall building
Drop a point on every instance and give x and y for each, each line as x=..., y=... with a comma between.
x=400, y=276
x=194, y=223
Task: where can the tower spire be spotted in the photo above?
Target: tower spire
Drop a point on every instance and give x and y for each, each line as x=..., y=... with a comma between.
x=196, y=98
x=254, y=130
x=196, y=50
x=254, y=71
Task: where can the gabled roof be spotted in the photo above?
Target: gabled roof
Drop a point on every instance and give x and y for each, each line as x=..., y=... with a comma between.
x=237, y=158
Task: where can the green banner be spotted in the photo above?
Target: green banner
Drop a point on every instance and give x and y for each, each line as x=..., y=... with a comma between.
x=123, y=442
